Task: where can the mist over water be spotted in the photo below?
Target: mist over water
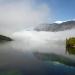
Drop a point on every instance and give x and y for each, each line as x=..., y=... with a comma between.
x=42, y=41
x=27, y=42
x=18, y=54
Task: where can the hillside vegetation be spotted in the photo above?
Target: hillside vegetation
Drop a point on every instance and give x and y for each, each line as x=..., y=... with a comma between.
x=70, y=45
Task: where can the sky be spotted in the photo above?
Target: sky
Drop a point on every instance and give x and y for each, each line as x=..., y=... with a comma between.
x=16, y=15
x=61, y=9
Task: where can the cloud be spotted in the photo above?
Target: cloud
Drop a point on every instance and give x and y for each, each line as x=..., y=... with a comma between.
x=64, y=21
x=58, y=22
x=17, y=15
x=42, y=41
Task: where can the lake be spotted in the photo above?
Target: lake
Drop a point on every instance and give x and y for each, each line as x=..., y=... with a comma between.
x=17, y=58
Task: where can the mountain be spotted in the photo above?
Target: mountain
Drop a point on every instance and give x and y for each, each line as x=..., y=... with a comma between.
x=4, y=38
x=56, y=26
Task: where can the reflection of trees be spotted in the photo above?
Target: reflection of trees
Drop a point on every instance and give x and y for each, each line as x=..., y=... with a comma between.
x=70, y=45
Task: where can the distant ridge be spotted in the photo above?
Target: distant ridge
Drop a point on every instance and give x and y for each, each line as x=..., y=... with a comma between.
x=54, y=27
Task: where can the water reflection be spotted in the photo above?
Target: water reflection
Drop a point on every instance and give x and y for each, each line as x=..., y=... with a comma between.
x=16, y=57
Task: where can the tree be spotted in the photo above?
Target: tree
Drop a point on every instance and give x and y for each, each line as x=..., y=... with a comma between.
x=70, y=45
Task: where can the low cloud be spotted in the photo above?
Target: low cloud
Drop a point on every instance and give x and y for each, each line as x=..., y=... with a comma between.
x=17, y=15
x=42, y=41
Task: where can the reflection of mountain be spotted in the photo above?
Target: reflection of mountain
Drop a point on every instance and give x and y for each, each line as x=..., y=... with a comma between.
x=56, y=27
x=4, y=38
x=55, y=58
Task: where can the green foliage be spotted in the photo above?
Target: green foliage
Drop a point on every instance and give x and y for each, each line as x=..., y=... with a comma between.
x=71, y=41
x=70, y=45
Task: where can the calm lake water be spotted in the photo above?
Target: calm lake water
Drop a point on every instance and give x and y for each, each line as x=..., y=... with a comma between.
x=17, y=59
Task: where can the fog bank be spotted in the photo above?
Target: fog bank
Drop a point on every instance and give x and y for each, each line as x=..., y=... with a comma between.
x=43, y=41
